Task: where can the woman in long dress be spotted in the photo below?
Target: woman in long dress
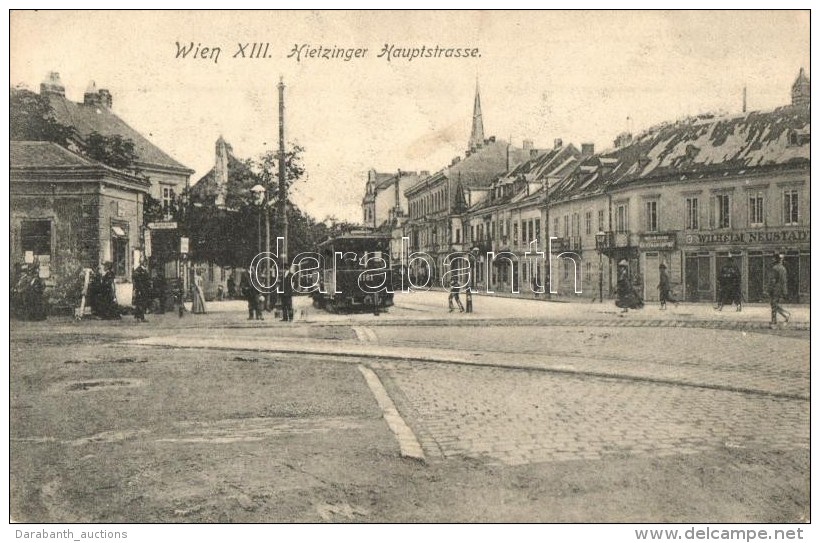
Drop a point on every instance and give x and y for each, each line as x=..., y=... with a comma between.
x=199, y=296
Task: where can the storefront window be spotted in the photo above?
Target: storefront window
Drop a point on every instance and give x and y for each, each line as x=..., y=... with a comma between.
x=35, y=236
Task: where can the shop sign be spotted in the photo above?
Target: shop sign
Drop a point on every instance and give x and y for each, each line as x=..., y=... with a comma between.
x=162, y=225
x=773, y=236
x=654, y=242
x=559, y=245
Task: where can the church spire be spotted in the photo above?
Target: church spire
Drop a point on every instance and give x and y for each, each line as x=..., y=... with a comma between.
x=477, y=134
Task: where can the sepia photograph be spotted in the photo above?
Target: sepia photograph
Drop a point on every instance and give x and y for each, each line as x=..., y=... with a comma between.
x=410, y=267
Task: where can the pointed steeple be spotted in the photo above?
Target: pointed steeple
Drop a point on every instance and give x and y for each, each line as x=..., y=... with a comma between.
x=477, y=133
x=801, y=90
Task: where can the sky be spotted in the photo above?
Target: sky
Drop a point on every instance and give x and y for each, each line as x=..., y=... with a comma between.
x=578, y=76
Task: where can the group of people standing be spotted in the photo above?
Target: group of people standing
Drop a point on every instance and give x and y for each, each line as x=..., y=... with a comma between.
x=257, y=301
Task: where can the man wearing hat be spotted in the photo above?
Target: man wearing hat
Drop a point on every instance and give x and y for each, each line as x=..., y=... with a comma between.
x=665, y=287
x=778, y=290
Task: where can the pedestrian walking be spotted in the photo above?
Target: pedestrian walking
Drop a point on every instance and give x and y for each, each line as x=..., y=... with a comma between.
x=198, y=295
x=627, y=297
x=778, y=290
x=158, y=292
x=728, y=291
x=665, y=287
x=453, y=297
x=251, y=295
x=287, y=295
x=231, y=287
x=141, y=297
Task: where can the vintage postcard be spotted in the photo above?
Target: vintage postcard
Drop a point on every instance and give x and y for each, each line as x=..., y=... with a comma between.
x=297, y=267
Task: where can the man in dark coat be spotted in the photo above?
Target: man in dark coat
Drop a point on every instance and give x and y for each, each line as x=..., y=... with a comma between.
x=778, y=290
x=287, y=296
x=142, y=292
x=665, y=287
x=729, y=286
x=250, y=294
x=454, y=292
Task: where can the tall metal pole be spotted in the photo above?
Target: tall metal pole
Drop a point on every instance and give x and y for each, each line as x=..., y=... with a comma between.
x=283, y=188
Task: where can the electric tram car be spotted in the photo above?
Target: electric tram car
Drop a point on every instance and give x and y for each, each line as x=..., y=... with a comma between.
x=354, y=273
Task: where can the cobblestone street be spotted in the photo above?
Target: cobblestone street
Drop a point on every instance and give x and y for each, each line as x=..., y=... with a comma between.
x=663, y=417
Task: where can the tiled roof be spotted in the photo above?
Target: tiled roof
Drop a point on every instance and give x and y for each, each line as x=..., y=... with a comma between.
x=44, y=159
x=95, y=118
x=698, y=147
x=44, y=154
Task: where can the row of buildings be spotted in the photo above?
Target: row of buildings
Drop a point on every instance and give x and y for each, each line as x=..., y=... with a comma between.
x=689, y=194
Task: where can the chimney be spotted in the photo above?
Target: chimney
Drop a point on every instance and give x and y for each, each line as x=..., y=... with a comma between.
x=424, y=173
x=492, y=139
x=91, y=96
x=527, y=145
x=105, y=98
x=623, y=139
x=557, y=143
x=744, y=99
x=587, y=149
x=52, y=85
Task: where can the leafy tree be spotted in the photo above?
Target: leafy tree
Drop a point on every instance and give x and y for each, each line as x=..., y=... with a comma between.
x=115, y=151
x=229, y=235
x=31, y=118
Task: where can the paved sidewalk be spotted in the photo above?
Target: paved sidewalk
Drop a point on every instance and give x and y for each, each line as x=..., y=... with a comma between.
x=789, y=379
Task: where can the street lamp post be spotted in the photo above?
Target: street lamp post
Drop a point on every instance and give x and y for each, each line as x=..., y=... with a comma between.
x=473, y=271
x=600, y=239
x=259, y=199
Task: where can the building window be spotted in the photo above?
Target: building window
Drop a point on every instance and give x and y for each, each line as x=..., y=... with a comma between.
x=566, y=226
x=530, y=231
x=119, y=255
x=600, y=220
x=515, y=233
x=458, y=235
x=652, y=216
x=472, y=233
x=790, y=207
x=692, y=214
x=622, y=218
x=35, y=236
x=588, y=222
x=756, y=209
x=588, y=271
x=576, y=225
x=723, y=208
x=537, y=229
x=555, y=227
x=167, y=201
